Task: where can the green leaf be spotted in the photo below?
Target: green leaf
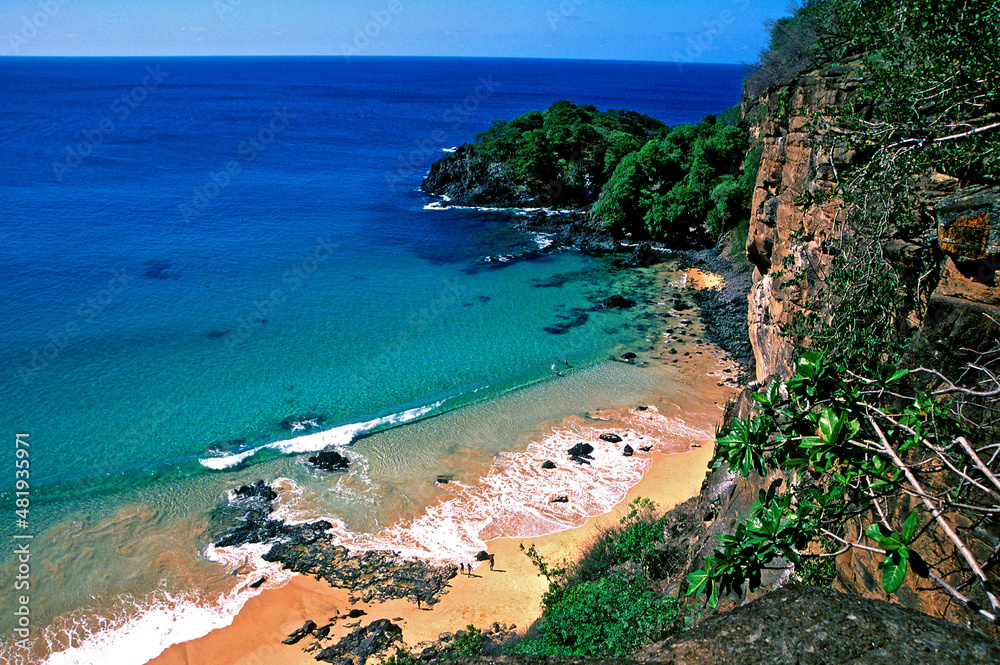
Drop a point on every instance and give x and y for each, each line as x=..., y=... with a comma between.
x=886, y=541
x=893, y=572
x=697, y=581
x=899, y=374
x=909, y=527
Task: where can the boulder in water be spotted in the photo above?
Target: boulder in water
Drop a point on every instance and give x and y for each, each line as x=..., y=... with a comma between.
x=617, y=301
x=329, y=460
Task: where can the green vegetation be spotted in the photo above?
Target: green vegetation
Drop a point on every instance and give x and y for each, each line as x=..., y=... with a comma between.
x=851, y=446
x=695, y=180
x=613, y=617
x=468, y=642
x=566, y=148
x=683, y=185
x=605, y=605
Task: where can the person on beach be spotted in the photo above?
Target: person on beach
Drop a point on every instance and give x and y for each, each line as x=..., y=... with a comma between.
x=491, y=561
x=462, y=567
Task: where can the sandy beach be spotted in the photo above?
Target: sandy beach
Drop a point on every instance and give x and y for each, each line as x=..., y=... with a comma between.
x=511, y=593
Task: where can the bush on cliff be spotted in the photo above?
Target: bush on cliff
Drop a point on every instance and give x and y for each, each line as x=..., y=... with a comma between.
x=605, y=604
x=611, y=617
x=867, y=464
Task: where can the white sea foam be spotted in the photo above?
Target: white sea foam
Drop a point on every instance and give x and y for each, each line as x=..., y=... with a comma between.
x=338, y=436
x=543, y=240
x=141, y=630
x=513, y=499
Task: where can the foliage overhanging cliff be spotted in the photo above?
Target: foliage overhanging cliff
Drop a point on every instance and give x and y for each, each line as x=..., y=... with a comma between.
x=874, y=233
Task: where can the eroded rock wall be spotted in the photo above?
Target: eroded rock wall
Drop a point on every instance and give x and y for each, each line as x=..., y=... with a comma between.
x=787, y=226
x=795, y=212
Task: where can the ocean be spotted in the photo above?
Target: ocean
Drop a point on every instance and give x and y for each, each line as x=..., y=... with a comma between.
x=213, y=266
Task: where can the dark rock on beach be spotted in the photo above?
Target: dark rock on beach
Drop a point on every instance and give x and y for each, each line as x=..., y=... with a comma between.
x=628, y=356
x=723, y=310
x=559, y=498
x=298, y=635
x=307, y=549
x=643, y=257
x=257, y=492
x=444, y=478
x=370, y=576
x=330, y=460
x=580, y=453
x=363, y=643
x=627, y=451
x=610, y=437
x=548, y=464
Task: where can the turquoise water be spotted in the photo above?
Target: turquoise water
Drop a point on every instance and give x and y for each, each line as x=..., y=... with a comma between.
x=175, y=325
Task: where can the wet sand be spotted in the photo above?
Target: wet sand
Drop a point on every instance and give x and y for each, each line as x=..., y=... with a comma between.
x=511, y=593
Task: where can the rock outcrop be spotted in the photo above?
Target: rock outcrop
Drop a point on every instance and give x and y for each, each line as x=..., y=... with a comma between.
x=798, y=624
x=786, y=239
x=796, y=212
x=307, y=549
x=463, y=178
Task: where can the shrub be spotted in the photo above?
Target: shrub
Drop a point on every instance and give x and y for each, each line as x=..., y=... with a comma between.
x=610, y=617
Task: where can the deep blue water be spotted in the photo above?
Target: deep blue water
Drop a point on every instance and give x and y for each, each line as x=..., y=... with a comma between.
x=196, y=248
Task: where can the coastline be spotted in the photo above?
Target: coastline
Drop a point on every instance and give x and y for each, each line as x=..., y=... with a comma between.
x=512, y=593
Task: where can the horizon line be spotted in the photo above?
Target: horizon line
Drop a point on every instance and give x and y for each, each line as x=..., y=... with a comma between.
x=361, y=57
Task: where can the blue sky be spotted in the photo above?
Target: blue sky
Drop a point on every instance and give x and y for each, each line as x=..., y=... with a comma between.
x=722, y=31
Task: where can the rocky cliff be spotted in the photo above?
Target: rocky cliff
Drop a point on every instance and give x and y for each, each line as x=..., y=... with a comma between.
x=952, y=270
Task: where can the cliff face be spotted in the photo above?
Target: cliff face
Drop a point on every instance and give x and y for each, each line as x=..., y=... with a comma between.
x=953, y=325
x=786, y=236
x=789, y=227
